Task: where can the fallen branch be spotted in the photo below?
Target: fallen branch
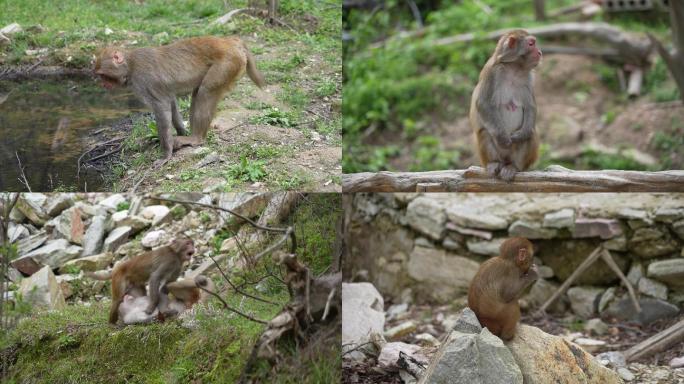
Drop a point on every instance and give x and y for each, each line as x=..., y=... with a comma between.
x=228, y=307
x=42, y=72
x=553, y=179
x=656, y=343
x=23, y=179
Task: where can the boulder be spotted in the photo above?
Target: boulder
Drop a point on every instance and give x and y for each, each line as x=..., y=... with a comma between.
x=489, y=248
x=652, y=288
x=42, y=290
x=584, y=300
x=89, y=263
x=70, y=225
x=652, y=242
x=247, y=204
x=531, y=230
x=427, y=216
x=94, y=236
x=116, y=238
x=565, y=218
x=469, y=217
x=31, y=205
x=153, y=239
x=137, y=223
x=389, y=354
x=651, y=310
x=55, y=253
x=670, y=272
x=16, y=232
x=362, y=315
x=58, y=202
x=441, y=275
x=112, y=201
x=157, y=214
x=603, y=228
x=541, y=291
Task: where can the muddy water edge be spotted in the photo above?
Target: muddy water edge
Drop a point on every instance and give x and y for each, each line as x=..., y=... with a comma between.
x=49, y=123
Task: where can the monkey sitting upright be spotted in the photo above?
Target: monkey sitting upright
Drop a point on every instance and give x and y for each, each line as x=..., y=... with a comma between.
x=498, y=284
x=160, y=267
x=503, y=109
x=207, y=67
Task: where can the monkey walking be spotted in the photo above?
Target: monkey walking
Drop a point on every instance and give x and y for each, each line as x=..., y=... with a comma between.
x=208, y=67
x=160, y=267
x=503, y=109
x=498, y=284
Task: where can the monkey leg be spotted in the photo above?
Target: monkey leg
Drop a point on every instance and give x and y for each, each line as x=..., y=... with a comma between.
x=163, y=116
x=510, y=320
x=525, y=153
x=489, y=154
x=177, y=119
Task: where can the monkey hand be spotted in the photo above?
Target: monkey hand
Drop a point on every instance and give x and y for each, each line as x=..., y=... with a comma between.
x=532, y=273
x=521, y=135
x=503, y=140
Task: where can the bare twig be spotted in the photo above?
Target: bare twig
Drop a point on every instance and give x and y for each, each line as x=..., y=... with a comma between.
x=113, y=151
x=23, y=179
x=238, y=290
x=228, y=307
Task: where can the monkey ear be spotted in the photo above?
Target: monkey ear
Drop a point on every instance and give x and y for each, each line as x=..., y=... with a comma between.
x=118, y=57
x=511, y=42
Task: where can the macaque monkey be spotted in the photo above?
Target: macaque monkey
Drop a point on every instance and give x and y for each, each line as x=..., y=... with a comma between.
x=186, y=293
x=503, y=110
x=159, y=266
x=498, y=284
x=207, y=67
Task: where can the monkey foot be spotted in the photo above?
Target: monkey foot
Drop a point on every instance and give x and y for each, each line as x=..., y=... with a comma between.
x=160, y=163
x=184, y=141
x=507, y=173
x=493, y=169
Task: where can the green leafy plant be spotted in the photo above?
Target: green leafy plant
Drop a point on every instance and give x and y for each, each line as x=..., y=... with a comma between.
x=248, y=170
x=274, y=116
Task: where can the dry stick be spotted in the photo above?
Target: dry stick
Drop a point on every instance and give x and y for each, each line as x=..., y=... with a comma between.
x=23, y=175
x=96, y=146
x=327, y=304
x=228, y=307
x=113, y=151
x=147, y=171
x=605, y=255
x=236, y=288
x=566, y=284
x=656, y=343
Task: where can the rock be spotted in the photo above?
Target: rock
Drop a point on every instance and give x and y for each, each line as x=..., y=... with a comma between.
x=248, y=204
x=651, y=310
x=70, y=225
x=652, y=242
x=116, y=238
x=616, y=244
x=362, y=315
x=530, y=230
x=606, y=299
x=228, y=244
x=426, y=216
x=89, y=210
x=65, y=284
x=112, y=202
x=30, y=243
x=541, y=291
x=545, y=272
x=487, y=235
x=442, y=274
x=678, y=228
x=26, y=265
x=584, y=300
x=489, y=248
x=427, y=340
x=677, y=362
x=603, y=228
x=31, y=205
x=451, y=245
x=88, y=263
x=153, y=239
x=42, y=290
x=11, y=29
x=565, y=256
x=137, y=223
x=669, y=215
x=596, y=326
x=636, y=272
x=401, y=330
x=16, y=232
x=545, y=358
x=613, y=359
x=92, y=241
x=652, y=288
x=55, y=253
x=466, y=322
x=396, y=310
x=634, y=214
x=670, y=272
x=480, y=358
x=590, y=345
x=390, y=354
x=57, y=203
x=158, y=214
x=565, y=218
x=625, y=374
x=472, y=218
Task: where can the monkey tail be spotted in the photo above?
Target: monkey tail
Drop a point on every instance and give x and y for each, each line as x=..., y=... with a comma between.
x=252, y=71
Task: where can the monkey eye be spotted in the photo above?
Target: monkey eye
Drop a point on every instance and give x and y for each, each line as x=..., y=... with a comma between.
x=531, y=42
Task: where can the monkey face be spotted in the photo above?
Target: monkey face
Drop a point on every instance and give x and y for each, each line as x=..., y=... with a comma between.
x=111, y=67
x=184, y=247
x=519, y=47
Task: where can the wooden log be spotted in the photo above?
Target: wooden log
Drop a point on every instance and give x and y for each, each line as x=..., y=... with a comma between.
x=553, y=179
x=656, y=343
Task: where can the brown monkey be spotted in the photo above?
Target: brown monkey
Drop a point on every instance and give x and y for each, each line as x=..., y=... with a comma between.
x=207, y=67
x=498, y=284
x=188, y=292
x=160, y=266
x=503, y=109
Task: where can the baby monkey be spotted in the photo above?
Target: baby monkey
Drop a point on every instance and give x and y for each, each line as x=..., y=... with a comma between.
x=503, y=110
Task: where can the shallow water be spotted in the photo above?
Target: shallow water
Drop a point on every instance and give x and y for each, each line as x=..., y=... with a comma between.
x=49, y=124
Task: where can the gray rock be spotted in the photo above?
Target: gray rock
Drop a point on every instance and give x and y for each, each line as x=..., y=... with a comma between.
x=441, y=275
x=116, y=238
x=625, y=374
x=652, y=242
x=670, y=272
x=55, y=253
x=467, y=322
x=58, y=202
x=538, y=355
x=636, y=272
x=94, y=236
x=616, y=244
x=89, y=263
x=473, y=358
x=545, y=272
x=613, y=359
x=157, y=214
x=155, y=238
x=69, y=225
x=42, y=290
x=423, y=242
x=30, y=243
x=541, y=291
x=389, y=355
x=603, y=228
x=635, y=214
x=489, y=248
x=596, y=326
x=678, y=228
x=487, y=235
x=31, y=205
x=362, y=315
x=669, y=215
x=396, y=310
x=426, y=216
x=248, y=204
x=16, y=232
x=652, y=288
x=90, y=210
x=468, y=217
x=531, y=230
x=26, y=265
x=452, y=245
x=565, y=218
x=112, y=202
x=137, y=223
x=651, y=310
x=401, y=330
x=584, y=300
x=606, y=299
